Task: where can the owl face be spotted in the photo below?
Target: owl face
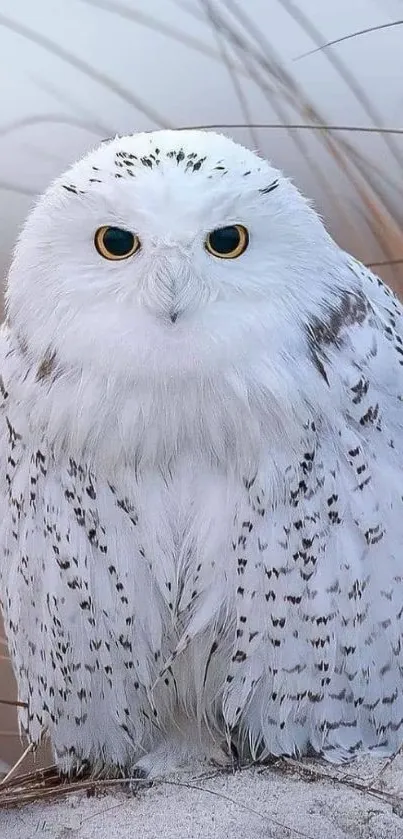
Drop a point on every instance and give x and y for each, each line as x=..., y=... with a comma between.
x=163, y=252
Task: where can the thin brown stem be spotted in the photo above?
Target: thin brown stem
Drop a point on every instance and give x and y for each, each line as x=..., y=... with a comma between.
x=30, y=748
x=348, y=37
x=359, y=129
x=384, y=263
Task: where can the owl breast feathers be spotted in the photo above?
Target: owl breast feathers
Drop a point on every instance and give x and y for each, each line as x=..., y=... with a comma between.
x=201, y=460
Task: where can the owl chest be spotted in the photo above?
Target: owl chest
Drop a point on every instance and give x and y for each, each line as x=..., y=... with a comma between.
x=166, y=546
x=184, y=516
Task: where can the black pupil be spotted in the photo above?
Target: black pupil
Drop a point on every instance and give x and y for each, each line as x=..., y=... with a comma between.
x=118, y=242
x=225, y=239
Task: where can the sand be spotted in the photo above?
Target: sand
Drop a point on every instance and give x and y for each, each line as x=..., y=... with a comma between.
x=275, y=803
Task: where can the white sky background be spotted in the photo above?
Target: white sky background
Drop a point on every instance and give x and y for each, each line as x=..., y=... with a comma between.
x=185, y=87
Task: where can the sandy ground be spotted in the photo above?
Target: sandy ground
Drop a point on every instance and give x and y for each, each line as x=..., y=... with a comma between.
x=274, y=803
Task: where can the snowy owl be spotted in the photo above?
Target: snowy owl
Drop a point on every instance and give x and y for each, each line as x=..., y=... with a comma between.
x=201, y=448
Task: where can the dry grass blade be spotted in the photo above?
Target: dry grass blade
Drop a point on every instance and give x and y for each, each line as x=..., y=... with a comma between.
x=42, y=784
x=379, y=188
x=7, y=186
x=389, y=231
x=319, y=773
x=242, y=98
x=144, y=19
x=384, y=263
x=349, y=161
x=189, y=8
x=388, y=763
x=249, y=60
x=67, y=99
x=255, y=48
x=378, y=174
x=366, y=103
x=30, y=748
x=389, y=236
x=384, y=227
x=299, y=126
x=51, y=119
x=79, y=64
x=351, y=35
x=31, y=779
x=251, y=810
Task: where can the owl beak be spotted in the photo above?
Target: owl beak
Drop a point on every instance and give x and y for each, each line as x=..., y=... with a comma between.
x=171, y=287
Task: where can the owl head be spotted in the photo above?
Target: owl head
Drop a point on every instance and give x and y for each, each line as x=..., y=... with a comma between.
x=167, y=253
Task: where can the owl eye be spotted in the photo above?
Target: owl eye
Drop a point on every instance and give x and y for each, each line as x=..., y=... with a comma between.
x=115, y=243
x=227, y=242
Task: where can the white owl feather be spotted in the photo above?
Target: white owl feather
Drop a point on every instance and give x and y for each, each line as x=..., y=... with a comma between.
x=200, y=468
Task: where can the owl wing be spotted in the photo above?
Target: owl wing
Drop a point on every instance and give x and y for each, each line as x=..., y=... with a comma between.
x=318, y=657
x=71, y=569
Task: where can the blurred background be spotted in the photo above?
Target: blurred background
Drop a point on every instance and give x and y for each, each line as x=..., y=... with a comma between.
x=315, y=86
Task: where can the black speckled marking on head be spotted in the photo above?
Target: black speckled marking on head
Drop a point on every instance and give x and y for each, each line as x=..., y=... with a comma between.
x=198, y=164
x=193, y=162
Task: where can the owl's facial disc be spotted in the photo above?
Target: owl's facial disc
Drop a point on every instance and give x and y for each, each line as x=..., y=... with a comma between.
x=172, y=275
x=166, y=251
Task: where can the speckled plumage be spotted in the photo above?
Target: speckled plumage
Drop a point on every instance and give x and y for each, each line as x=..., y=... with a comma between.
x=201, y=516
